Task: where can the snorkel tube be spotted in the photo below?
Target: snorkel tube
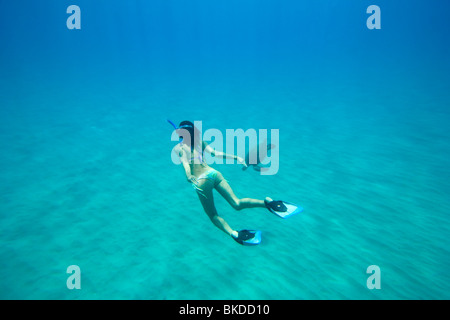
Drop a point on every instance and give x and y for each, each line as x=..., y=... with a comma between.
x=175, y=127
x=173, y=124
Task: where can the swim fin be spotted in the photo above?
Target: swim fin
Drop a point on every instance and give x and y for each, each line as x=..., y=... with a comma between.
x=283, y=209
x=248, y=237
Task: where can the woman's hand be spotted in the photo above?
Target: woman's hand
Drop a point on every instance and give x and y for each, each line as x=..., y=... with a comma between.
x=241, y=161
x=192, y=179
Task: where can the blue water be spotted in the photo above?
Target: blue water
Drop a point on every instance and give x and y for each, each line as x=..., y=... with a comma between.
x=86, y=176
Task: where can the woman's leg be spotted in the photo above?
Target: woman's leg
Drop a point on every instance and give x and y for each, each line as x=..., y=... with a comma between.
x=225, y=190
x=207, y=201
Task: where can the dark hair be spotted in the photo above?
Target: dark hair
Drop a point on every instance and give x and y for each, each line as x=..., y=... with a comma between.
x=193, y=132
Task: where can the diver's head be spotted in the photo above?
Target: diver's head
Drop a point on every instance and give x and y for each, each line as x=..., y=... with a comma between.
x=189, y=133
x=187, y=125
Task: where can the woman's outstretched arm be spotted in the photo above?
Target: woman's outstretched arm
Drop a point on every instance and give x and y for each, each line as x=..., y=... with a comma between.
x=223, y=155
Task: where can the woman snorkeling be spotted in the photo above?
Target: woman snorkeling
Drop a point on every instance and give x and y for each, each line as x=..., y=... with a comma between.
x=204, y=179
